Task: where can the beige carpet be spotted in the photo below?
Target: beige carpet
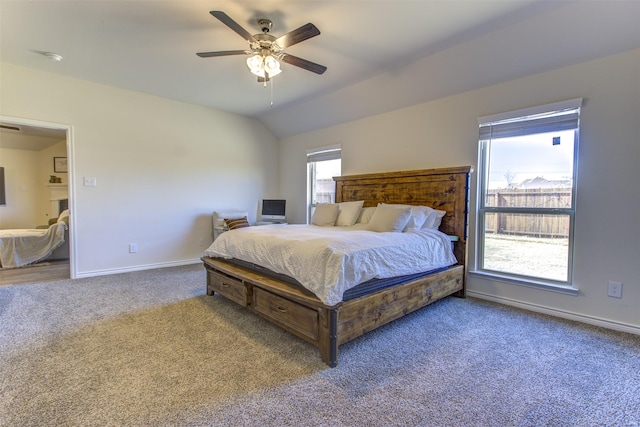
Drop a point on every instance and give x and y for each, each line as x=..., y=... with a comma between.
x=151, y=349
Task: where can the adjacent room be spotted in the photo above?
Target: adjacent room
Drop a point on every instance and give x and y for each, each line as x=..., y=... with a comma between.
x=34, y=224
x=319, y=212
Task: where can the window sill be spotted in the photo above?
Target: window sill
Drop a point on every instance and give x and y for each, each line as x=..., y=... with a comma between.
x=567, y=290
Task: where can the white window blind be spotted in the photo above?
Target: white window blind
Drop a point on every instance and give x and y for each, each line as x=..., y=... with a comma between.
x=546, y=118
x=529, y=126
x=333, y=152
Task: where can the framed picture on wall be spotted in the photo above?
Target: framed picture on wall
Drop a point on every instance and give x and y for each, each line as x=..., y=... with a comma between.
x=60, y=164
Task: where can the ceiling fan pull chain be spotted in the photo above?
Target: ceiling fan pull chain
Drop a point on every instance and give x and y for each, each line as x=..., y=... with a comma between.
x=271, y=87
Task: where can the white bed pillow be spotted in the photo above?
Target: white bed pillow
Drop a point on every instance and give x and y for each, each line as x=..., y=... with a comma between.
x=389, y=218
x=419, y=215
x=365, y=215
x=348, y=213
x=435, y=219
x=325, y=214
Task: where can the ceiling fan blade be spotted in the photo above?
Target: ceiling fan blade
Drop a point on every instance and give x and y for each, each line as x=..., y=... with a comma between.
x=303, y=63
x=296, y=36
x=226, y=20
x=223, y=53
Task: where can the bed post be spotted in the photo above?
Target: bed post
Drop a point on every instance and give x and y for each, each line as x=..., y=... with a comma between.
x=467, y=188
x=328, y=339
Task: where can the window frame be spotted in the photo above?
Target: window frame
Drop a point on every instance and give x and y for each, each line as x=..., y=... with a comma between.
x=320, y=154
x=483, y=182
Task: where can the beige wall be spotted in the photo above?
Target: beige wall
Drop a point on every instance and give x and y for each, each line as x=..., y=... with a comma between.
x=161, y=167
x=27, y=173
x=445, y=133
x=23, y=189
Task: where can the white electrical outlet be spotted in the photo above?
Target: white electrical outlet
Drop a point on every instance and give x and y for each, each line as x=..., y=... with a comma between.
x=615, y=289
x=201, y=241
x=90, y=181
x=133, y=248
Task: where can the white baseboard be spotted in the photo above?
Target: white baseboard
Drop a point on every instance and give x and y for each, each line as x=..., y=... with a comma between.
x=609, y=324
x=136, y=268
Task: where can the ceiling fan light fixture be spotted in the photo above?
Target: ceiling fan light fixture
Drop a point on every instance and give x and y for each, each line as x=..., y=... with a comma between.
x=272, y=66
x=262, y=66
x=258, y=72
x=254, y=62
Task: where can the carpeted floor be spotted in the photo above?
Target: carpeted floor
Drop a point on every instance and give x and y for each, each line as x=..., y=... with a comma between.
x=151, y=349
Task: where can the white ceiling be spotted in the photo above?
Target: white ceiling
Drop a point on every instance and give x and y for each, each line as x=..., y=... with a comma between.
x=381, y=55
x=29, y=138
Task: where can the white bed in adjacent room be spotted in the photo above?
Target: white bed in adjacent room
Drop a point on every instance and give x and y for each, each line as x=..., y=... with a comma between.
x=21, y=247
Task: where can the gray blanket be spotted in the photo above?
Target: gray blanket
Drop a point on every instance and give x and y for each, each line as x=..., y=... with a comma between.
x=23, y=247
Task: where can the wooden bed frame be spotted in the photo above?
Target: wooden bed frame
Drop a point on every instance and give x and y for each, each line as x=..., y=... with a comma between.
x=327, y=327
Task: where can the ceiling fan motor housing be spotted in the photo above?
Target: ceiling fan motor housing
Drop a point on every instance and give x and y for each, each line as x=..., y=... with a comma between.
x=265, y=25
x=265, y=41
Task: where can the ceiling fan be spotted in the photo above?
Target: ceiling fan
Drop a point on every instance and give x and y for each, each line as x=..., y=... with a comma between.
x=266, y=50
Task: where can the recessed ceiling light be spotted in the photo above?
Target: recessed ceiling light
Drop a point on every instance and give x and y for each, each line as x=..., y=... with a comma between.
x=53, y=56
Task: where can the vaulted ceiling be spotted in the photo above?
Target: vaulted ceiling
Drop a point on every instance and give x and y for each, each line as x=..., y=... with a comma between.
x=380, y=55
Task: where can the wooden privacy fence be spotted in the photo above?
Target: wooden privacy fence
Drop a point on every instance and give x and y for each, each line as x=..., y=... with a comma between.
x=325, y=190
x=532, y=225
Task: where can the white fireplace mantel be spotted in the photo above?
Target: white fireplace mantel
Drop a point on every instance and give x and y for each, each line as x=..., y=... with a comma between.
x=57, y=192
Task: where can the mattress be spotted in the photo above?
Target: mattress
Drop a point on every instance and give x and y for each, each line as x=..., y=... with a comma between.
x=329, y=261
x=362, y=289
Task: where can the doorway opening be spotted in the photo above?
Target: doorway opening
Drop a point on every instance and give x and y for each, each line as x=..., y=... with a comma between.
x=58, y=188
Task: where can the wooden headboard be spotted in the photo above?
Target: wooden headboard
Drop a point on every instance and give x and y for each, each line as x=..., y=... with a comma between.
x=445, y=189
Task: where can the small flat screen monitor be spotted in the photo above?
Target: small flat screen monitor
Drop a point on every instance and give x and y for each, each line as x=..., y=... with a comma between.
x=273, y=210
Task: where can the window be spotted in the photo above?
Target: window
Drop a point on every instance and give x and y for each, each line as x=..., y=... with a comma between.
x=526, y=203
x=322, y=165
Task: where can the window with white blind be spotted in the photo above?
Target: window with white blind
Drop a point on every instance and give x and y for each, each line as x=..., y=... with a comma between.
x=526, y=202
x=322, y=165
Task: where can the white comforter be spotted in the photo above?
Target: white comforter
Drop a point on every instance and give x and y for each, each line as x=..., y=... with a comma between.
x=23, y=247
x=330, y=260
